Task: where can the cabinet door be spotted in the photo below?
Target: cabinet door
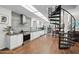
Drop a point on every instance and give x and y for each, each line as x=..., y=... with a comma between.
x=7, y=41
x=16, y=41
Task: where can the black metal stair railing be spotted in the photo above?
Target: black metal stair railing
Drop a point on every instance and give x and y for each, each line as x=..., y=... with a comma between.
x=65, y=39
x=72, y=17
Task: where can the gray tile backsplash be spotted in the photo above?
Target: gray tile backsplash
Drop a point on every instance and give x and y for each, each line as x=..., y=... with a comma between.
x=16, y=23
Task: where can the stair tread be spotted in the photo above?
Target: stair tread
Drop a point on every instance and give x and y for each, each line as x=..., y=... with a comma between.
x=55, y=23
x=65, y=37
x=57, y=13
x=54, y=17
x=64, y=46
x=67, y=40
x=63, y=42
x=66, y=43
x=54, y=20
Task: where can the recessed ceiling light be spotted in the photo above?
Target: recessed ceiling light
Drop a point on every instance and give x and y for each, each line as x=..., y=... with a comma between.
x=30, y=8
x=35, y=11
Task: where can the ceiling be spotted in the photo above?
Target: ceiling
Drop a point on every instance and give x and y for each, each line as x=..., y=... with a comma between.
x=42, y=8
x=19, y=9
x=67, y=7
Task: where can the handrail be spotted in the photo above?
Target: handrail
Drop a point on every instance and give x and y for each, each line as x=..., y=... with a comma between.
x=68, y=12
x=72, y=16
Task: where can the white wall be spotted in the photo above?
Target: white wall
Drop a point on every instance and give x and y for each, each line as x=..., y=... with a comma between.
x=7, y=13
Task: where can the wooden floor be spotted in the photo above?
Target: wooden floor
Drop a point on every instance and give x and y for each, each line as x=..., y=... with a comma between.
x=46, y=44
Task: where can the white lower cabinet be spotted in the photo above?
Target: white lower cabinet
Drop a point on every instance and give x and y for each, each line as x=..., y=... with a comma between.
x=37, y=34
x=14, y=41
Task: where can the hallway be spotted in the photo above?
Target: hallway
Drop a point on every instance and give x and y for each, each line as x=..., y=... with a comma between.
x=46, y=44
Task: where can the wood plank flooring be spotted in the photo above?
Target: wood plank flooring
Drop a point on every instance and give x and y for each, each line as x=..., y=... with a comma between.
x=46, y=44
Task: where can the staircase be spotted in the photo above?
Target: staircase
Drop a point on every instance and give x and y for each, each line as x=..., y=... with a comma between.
x=65, y=38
